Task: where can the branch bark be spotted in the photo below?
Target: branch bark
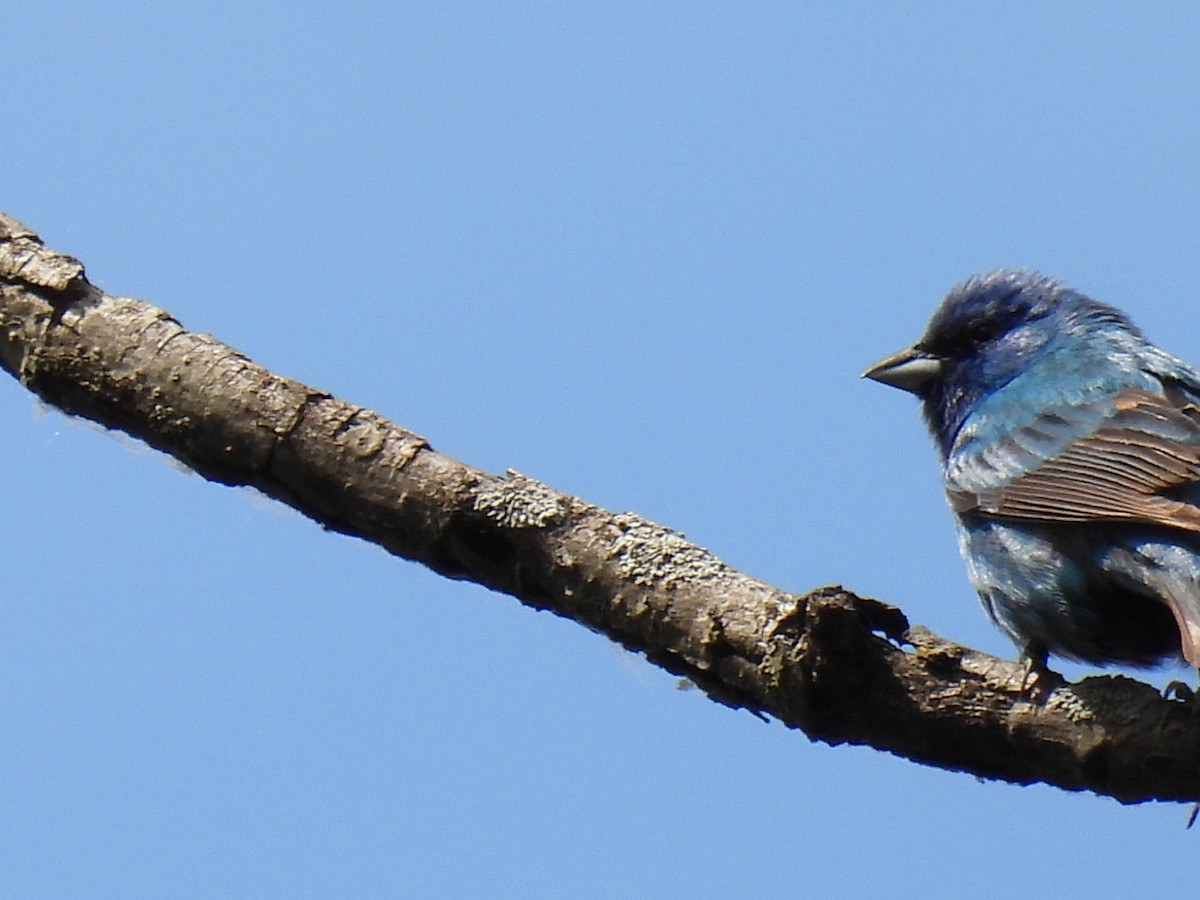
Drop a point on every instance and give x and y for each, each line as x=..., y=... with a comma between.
x=839, y=667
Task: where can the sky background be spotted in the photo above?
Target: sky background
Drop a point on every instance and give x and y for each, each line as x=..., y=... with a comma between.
x=638, y=251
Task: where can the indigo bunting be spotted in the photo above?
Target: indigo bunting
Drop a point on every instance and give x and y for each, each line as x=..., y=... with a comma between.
x=1070, y=450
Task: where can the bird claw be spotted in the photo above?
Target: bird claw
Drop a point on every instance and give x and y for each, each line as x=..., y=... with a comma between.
x=1038, y=678
x=1183, y=692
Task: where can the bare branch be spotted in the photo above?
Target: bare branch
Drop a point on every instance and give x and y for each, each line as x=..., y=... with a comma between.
x=841, y=668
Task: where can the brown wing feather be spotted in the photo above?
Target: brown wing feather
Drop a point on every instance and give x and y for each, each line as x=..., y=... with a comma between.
x=1119, y=472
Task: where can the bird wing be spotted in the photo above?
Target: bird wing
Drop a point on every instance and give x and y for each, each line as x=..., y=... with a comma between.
x=1129, y=457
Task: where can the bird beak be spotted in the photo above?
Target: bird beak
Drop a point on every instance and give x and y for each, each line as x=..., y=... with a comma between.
x=910, y=370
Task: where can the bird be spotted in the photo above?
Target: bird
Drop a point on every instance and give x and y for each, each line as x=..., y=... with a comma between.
x=1070, y=451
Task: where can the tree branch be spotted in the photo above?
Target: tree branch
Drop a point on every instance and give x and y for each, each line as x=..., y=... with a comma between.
x=841, y=668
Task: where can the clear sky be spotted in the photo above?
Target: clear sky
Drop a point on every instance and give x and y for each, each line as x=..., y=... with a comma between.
x=638, y=251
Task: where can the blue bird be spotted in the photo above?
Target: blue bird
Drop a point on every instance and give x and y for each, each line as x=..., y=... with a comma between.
x=1070, y=450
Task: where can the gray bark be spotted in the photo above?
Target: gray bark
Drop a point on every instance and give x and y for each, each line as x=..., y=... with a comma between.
x=839, y=667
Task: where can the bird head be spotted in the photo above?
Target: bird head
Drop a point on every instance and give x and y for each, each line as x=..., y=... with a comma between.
x=987, y=331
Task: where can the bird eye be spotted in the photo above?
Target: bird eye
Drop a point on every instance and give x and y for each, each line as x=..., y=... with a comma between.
x=966, y=338
x=981, y=331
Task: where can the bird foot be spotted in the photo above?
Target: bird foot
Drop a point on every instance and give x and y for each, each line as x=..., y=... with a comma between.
x=1179, y=690
x=1183, y=692
x=1038, y=679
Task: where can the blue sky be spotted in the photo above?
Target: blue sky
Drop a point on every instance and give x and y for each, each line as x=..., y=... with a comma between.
x=638, y=251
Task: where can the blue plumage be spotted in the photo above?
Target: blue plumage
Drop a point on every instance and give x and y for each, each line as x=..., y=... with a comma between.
x=1071, y=456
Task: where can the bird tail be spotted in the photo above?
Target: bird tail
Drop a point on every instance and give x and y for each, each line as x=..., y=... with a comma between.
x=1185, y=607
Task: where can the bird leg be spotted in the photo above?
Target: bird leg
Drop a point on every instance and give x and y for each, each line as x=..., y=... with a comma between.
x=1179, y=690
x=1037, y=676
